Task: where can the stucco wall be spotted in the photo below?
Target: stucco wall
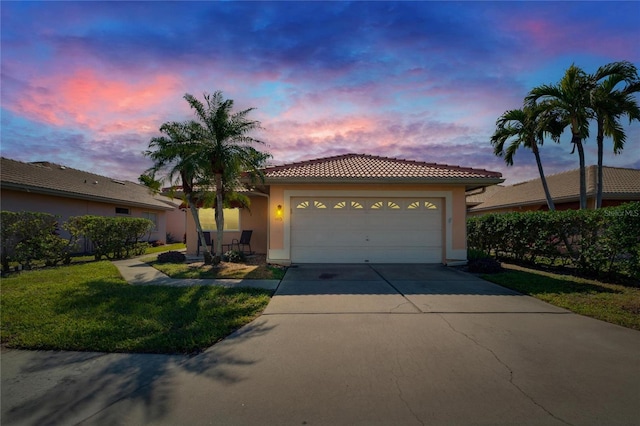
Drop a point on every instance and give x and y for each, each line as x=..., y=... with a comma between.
x=66, y=207
x=254, y=218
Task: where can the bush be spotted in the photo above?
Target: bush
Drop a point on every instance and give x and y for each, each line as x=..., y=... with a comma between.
x=171, y=257
x=112, y=237
x=603, y=241
x=484, y=266
x=30, y=236
x=234, y=256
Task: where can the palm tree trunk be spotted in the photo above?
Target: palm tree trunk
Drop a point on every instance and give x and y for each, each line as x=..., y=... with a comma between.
x=196, y=219
x=583, y=180
x=219, y=217
x=547, y=194
x=600, y=141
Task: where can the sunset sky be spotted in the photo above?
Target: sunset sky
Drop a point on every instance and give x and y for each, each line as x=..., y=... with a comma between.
x=87, y=84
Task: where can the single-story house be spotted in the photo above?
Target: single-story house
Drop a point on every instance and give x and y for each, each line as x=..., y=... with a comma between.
x=620, y=185
x=358, y=208
x=63, y=191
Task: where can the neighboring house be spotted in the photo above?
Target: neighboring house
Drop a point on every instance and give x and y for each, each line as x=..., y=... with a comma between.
x=63, y=191
x=619, y=186
x=358, y=208
x=479, y=196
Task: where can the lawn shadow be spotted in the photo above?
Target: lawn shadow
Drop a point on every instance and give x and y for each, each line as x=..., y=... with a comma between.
x=59, y=387
x=531, y=284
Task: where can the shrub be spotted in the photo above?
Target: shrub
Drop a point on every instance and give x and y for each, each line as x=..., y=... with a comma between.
x=234, y=256
x=112, y=237
x=593, y=241
x=30, y=236
x=484, y=266
x=171, y=257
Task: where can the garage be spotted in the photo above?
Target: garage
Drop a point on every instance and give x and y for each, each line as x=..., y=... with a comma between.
x=366, y=229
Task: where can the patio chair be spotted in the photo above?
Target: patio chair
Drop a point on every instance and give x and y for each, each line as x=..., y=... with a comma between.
x=207, y=239
x=241, y=244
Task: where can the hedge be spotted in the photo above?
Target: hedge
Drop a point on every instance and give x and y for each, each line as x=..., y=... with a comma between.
x=112, y=237
x=30, y=236
x=27, y=237
x=602, y=241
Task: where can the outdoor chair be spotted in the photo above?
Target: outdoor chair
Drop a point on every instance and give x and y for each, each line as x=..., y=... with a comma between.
x=241, y=244
x=207, y=239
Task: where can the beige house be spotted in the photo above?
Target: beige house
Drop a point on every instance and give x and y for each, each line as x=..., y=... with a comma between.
x=359, y=208
x=620, y=185
x=64, y=191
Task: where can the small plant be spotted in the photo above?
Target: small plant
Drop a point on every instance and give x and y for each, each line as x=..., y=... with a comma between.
x=171, y=257
x=474, y=254
x=484, y=266
x=234, y=256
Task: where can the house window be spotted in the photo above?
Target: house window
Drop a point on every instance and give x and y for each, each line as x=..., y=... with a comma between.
x=153, y=217
x=208, y=219
x=122, y=210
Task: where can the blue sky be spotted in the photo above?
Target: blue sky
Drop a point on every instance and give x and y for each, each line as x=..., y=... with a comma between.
x=88, y=84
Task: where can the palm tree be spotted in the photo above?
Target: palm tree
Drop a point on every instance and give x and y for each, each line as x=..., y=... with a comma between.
x=178, y=152
x=609, y=105
x=525, y=127
x=225, y=144
x=569, y=100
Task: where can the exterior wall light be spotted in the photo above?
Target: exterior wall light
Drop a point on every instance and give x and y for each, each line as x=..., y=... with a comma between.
x=279, y=213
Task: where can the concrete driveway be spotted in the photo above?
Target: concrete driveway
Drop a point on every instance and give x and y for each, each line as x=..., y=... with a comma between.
x=363, y=345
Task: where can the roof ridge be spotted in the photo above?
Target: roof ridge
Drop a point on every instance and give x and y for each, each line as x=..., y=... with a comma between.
x=382, y=158
x=52, y=165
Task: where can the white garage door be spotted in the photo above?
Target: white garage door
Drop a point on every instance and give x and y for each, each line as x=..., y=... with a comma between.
x=357, y=230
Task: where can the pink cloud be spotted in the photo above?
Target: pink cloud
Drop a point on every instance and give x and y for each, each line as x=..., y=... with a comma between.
x=85, y=99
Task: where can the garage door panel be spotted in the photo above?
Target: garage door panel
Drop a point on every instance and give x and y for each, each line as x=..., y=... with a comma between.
x=346, y=230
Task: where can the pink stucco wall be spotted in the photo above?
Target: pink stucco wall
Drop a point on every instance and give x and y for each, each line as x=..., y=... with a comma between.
x=66, y=207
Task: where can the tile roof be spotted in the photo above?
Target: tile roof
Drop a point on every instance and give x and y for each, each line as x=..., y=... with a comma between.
x=619, y=183
x=369, y=168
x=55, y=179
x=476, y=197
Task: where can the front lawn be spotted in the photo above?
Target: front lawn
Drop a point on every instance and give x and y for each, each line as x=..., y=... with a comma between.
x=89, y=307
x=253, y=270
x=614, y=303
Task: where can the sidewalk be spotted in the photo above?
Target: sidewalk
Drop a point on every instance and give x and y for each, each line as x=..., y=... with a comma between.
x=136, y=272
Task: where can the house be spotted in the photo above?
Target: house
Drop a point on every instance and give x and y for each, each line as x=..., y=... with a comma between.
x=65, y=192
x=620, y=185
x=358, y=208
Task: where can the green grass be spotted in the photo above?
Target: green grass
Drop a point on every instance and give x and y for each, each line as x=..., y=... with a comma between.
x=89, y=307
x=166, y=247
x=613, y=303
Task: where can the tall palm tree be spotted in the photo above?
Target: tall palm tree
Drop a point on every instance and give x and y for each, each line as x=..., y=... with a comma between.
x=225, y=144
x=609, y=104
x=177, y=152
x=526, y=127
x=569, y=100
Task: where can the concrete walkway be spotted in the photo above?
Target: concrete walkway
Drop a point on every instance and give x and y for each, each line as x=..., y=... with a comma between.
x=355, y=345
x=136, y=272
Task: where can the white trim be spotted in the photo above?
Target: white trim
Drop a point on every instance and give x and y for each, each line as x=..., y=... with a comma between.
x=285, y=253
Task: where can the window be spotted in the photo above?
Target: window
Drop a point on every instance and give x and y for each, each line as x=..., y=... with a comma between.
x=303, y=205
x=122, y=210
x=340, y=205
x=153, y=217
x=377, y=205
x=208, y=219
x=356, y=205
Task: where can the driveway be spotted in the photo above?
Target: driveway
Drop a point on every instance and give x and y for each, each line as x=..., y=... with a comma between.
x=363, y=345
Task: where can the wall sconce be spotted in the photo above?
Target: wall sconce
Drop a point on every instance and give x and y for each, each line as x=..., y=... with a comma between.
x=279, y=213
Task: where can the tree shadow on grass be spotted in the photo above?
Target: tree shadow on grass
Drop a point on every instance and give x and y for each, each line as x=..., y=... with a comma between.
x=50, y=387
x=531, y=284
